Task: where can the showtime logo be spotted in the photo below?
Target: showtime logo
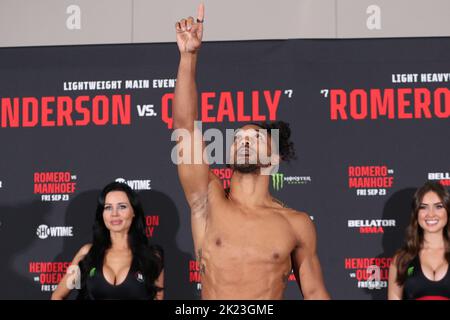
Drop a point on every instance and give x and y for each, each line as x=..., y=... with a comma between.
x=371, y=226
x=370, y=180
x=279, y=180
x=136, y=185
x=370, y=273
x=442, y=177
x=48, y=274
x=44, y=231
x=54, y=186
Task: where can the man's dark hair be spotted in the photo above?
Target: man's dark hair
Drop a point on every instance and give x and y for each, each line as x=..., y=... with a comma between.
x=286, y=146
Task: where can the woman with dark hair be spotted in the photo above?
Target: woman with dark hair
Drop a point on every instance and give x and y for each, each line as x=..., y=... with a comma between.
x=119, y=263
x=419, y=269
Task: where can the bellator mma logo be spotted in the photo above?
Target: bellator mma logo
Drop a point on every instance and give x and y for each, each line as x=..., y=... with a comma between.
x=371, y=226
x=442, y=177
x=370, y=180
x=370, y=273
x=54, y=186
x=48, y=274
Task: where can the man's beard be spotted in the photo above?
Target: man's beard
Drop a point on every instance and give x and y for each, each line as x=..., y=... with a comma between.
x=248, y=166
x=245, y=167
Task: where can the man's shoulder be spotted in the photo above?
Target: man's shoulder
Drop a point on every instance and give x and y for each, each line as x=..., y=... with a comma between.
x=297, y=216
x=301, y=224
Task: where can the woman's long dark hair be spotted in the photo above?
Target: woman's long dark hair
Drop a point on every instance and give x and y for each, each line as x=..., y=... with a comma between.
x=147, y=259
x=414, y=233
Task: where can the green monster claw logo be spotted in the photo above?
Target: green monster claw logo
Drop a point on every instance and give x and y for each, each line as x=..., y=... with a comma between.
x=277, y=181
x=92, y=272
x=410, y=271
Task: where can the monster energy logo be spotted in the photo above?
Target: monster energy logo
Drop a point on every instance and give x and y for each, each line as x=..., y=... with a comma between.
x=410, y=271
x=277, y=181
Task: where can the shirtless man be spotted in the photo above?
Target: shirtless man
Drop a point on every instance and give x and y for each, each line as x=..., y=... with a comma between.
x=246, y=242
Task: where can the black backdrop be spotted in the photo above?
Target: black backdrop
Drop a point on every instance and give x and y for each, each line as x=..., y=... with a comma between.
x=395, y=154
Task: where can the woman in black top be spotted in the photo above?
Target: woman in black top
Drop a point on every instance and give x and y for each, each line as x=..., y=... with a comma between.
x=420, y=268
x=119, y=263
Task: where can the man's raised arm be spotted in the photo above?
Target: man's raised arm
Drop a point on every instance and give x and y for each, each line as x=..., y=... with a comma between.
x=192, y=170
